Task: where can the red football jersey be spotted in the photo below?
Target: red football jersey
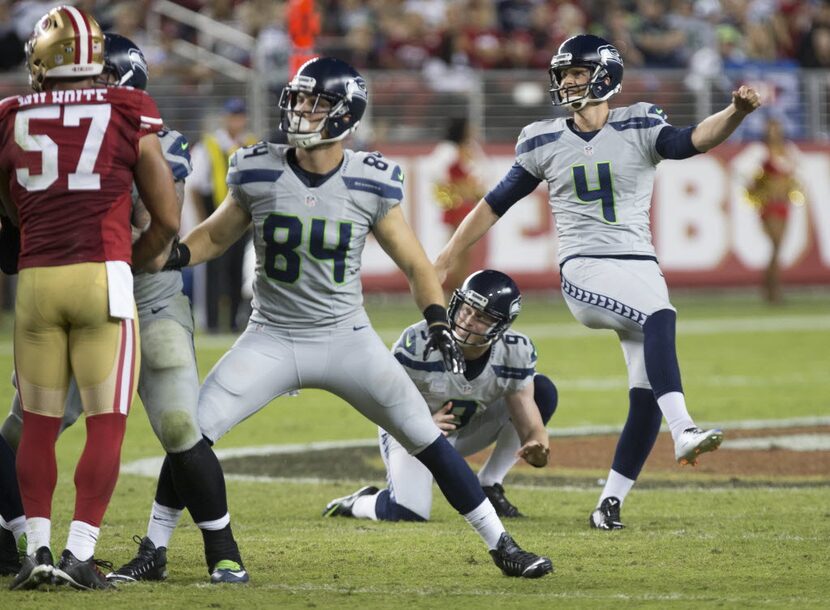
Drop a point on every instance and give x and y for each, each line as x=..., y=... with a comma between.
x=70, y=156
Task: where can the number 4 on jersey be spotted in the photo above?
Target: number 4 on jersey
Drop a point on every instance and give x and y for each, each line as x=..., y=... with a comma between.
x=604, y=192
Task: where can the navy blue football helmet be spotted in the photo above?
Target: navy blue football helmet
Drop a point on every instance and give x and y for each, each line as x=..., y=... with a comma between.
x=594, y=53
x=125, y=61
x=323, y=79
x=490, y=292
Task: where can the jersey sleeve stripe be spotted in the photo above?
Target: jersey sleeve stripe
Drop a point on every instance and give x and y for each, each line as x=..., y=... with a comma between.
x=432, y=367
x=511, y=372
x=637, y=122
x=537, y=141
x=253, y=175
x=371, y=186
x=150, y=120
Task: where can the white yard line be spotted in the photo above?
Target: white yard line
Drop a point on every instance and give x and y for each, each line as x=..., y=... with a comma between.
x=149, y=467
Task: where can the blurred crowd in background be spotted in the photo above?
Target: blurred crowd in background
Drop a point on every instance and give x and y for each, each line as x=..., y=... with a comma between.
x=702, y=35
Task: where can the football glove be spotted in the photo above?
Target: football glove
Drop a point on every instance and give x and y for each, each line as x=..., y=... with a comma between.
x=9, y=246
x=178, y=258
x=440, y=338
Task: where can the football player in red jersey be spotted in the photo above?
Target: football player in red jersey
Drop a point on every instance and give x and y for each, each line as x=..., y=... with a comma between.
x=69, y=153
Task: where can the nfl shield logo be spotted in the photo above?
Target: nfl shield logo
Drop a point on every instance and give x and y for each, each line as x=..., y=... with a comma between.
x=589, y=150
x=310, y=201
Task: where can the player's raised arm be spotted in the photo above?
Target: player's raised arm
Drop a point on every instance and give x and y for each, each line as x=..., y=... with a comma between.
x=155, y=186
x=471, y=229
x=714, y=129
x=398, y=240
x=528, y=423
x=211, y=237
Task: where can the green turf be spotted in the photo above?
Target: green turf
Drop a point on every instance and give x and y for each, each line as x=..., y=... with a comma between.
x=684, y=547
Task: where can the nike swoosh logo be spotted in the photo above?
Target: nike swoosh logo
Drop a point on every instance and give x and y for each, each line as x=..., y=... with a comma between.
x=155, y=310
x=359, y=327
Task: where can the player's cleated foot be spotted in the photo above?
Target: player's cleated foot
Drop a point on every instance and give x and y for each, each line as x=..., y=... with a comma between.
x=607, y=516
x=342, y=507
x=228, y=571
x=694, y=441
x=504, y=509
x=83, y=575
x=35, y=570
x=149, y=563
x=513, y=561
x=10, y=555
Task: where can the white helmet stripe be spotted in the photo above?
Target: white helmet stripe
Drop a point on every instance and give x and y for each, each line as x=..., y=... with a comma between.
x=83, y=50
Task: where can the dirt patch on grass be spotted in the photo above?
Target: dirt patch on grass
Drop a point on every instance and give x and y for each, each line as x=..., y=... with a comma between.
x=579, y=460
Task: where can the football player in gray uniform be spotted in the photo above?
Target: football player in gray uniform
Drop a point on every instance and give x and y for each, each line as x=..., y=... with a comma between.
x=313, y=203
x=168, y=381
x=599, y=165
x=499, y=399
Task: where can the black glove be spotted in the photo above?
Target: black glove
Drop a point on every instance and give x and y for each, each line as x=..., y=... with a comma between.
x=178, y=258
x=440, y=338
x=9, y=246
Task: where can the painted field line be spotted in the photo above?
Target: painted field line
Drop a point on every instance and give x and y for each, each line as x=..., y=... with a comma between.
x=149, y=467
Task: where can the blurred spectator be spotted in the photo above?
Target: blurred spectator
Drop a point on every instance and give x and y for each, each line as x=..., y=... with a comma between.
x=11, y=46
x=815, y=50
x=773, y=189
x=458, y=186
x=206, y=186
x=659, y=42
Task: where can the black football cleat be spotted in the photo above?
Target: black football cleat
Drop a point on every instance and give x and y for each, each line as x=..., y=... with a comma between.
x=513, y=561
x=35, y=570
x=342, y=507
x=504, y=509
x=149, y=563
x=607, y=515
x=83, y=575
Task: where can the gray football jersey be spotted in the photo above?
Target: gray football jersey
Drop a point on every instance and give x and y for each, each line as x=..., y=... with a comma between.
x=153, y=288
x=511, y=366
x=309, y=240
x=600, y=191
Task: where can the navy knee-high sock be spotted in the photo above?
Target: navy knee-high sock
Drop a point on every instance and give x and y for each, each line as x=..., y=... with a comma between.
x=660, y=353
x=639, y=433
x=546, y=396
x=11, y=506
x=386, y=509
x=455, y=479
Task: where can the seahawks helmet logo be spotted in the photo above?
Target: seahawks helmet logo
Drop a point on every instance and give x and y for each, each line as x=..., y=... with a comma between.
x=137, y=60
x=608, y=52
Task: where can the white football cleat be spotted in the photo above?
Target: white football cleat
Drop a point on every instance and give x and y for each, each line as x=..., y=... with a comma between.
x=694, y=441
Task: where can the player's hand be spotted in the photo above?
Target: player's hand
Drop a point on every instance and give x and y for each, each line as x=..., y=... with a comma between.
x=444, y=419
x=535, y=454
x=179, y=256
x=745, y=99
x=440, y=338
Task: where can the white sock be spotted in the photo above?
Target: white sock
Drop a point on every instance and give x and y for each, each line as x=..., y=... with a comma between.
x=16, y=526
x=502, y=459
x=673, y=406
x=82, y=539
x=616, y=486
x=38, y=534
x=486, y=522
x=364, y=507
x=163, y=521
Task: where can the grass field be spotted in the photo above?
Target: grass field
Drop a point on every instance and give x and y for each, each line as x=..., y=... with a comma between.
x=688, y=546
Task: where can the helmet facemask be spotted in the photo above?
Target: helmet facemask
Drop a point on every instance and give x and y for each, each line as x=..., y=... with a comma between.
x=467, y=335
x=299, y=124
